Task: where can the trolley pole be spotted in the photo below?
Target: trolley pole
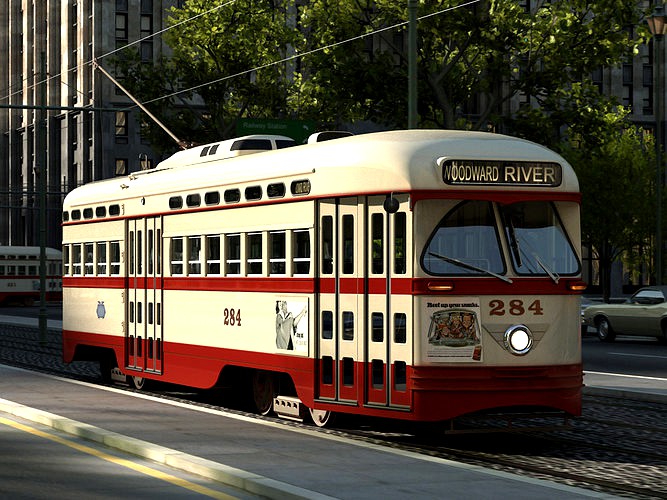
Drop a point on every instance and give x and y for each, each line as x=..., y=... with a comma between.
x=41, y=171
x=412, y=64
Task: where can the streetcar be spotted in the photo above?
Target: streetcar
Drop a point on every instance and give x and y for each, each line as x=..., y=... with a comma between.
x=419, y=275
x=20, y=275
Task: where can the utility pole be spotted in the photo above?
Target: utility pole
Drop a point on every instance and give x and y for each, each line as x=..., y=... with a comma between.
x=412, y=64
x=41, y=172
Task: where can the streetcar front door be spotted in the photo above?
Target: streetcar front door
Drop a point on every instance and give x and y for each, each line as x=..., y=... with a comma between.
x=144, y=295
x=388, y=346
x=341, y=304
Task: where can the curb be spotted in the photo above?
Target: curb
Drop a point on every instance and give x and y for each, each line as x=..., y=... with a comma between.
x=237, y=478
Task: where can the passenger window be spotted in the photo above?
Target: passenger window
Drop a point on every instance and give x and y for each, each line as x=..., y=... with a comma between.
x=233, y=253
x=76, y=260
x=277, y=256
x=194, y=255
x=66, y=267
x=101, y=258
x=176, y=256
x=213, y=255
x=254, y=253
x=301, y=252
x=114, y=258
x=88, y=256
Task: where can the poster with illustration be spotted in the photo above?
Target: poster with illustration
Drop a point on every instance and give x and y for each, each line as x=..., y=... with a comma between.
x=292, y=325
x=453, y=330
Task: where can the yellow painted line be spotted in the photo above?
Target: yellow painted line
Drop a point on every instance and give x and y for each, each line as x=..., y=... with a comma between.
x=120, y=461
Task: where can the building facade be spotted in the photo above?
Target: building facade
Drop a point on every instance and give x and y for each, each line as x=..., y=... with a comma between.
x=90, y=129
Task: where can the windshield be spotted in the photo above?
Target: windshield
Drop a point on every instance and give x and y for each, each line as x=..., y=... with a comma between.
x=467, y=241
x=537, y=240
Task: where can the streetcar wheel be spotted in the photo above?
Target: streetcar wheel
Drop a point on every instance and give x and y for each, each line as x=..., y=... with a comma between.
x=604, y=330
x=263, y=391
x=140, y=383
x=322, y=418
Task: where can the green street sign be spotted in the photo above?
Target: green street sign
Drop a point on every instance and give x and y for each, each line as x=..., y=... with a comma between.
x=299, y=130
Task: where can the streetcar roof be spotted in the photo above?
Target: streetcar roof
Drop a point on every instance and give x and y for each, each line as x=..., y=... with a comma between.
x=23, y=252
x=379, y=162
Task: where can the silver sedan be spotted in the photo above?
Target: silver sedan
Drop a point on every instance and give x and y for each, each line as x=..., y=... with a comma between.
x=644, y=314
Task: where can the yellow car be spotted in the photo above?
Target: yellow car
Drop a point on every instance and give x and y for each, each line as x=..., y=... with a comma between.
x=644, y=314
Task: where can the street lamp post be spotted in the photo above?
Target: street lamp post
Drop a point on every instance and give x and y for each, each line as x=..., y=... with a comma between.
x=658, y=28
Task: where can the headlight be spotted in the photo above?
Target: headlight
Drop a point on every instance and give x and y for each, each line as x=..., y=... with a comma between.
x=518, y=339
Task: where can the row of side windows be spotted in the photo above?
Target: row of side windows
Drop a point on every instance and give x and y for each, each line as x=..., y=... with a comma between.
x=261, y=253
x=99, y=258
x=31, y=270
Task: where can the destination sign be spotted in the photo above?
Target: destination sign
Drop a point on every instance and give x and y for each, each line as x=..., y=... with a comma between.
x=502, y=173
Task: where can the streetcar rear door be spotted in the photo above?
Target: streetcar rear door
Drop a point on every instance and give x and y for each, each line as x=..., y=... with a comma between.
x=340, y=261
x=143, y=336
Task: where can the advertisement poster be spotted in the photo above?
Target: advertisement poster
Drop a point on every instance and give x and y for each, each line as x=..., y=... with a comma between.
x=453, y=330
x=292, y=325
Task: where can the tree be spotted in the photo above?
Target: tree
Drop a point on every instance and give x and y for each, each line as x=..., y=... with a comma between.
x=221, y=67
x=617, y=179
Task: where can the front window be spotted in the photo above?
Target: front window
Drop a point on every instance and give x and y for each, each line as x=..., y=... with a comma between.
x=466, y=242
x=537, y=241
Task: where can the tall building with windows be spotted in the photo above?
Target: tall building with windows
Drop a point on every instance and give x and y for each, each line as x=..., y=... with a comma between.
x=47, y=48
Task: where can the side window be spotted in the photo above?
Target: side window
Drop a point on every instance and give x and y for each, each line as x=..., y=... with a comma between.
x=114, y=258
x=194, y=255
x=88, y=256
x=66, y=266
x=277, y=256
x=233, y=253
x=213, y=255
x=77, y=268
x=176, y=256
x=301, y=252
x=101, y=257
x=254, y=253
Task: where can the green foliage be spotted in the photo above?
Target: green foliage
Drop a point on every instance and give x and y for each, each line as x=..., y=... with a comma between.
x=617, y=177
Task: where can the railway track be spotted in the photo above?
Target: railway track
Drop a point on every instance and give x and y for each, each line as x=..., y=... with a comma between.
x=617, y=447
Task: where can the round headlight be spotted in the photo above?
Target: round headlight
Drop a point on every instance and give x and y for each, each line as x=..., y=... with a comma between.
x=518, y=339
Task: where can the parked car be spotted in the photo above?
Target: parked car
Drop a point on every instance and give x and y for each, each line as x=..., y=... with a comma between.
x=643, y=314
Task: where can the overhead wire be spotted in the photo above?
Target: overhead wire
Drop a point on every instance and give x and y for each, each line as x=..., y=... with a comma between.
x=248, y=71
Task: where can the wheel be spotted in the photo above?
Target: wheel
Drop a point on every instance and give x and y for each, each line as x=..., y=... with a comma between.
x=263, y=391
x=140, y=383
x=604, y=330
x=322, y=418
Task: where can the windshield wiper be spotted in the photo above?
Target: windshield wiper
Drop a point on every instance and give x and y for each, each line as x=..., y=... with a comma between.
x=470, y=267
x=514, y=244
x=553, y=275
